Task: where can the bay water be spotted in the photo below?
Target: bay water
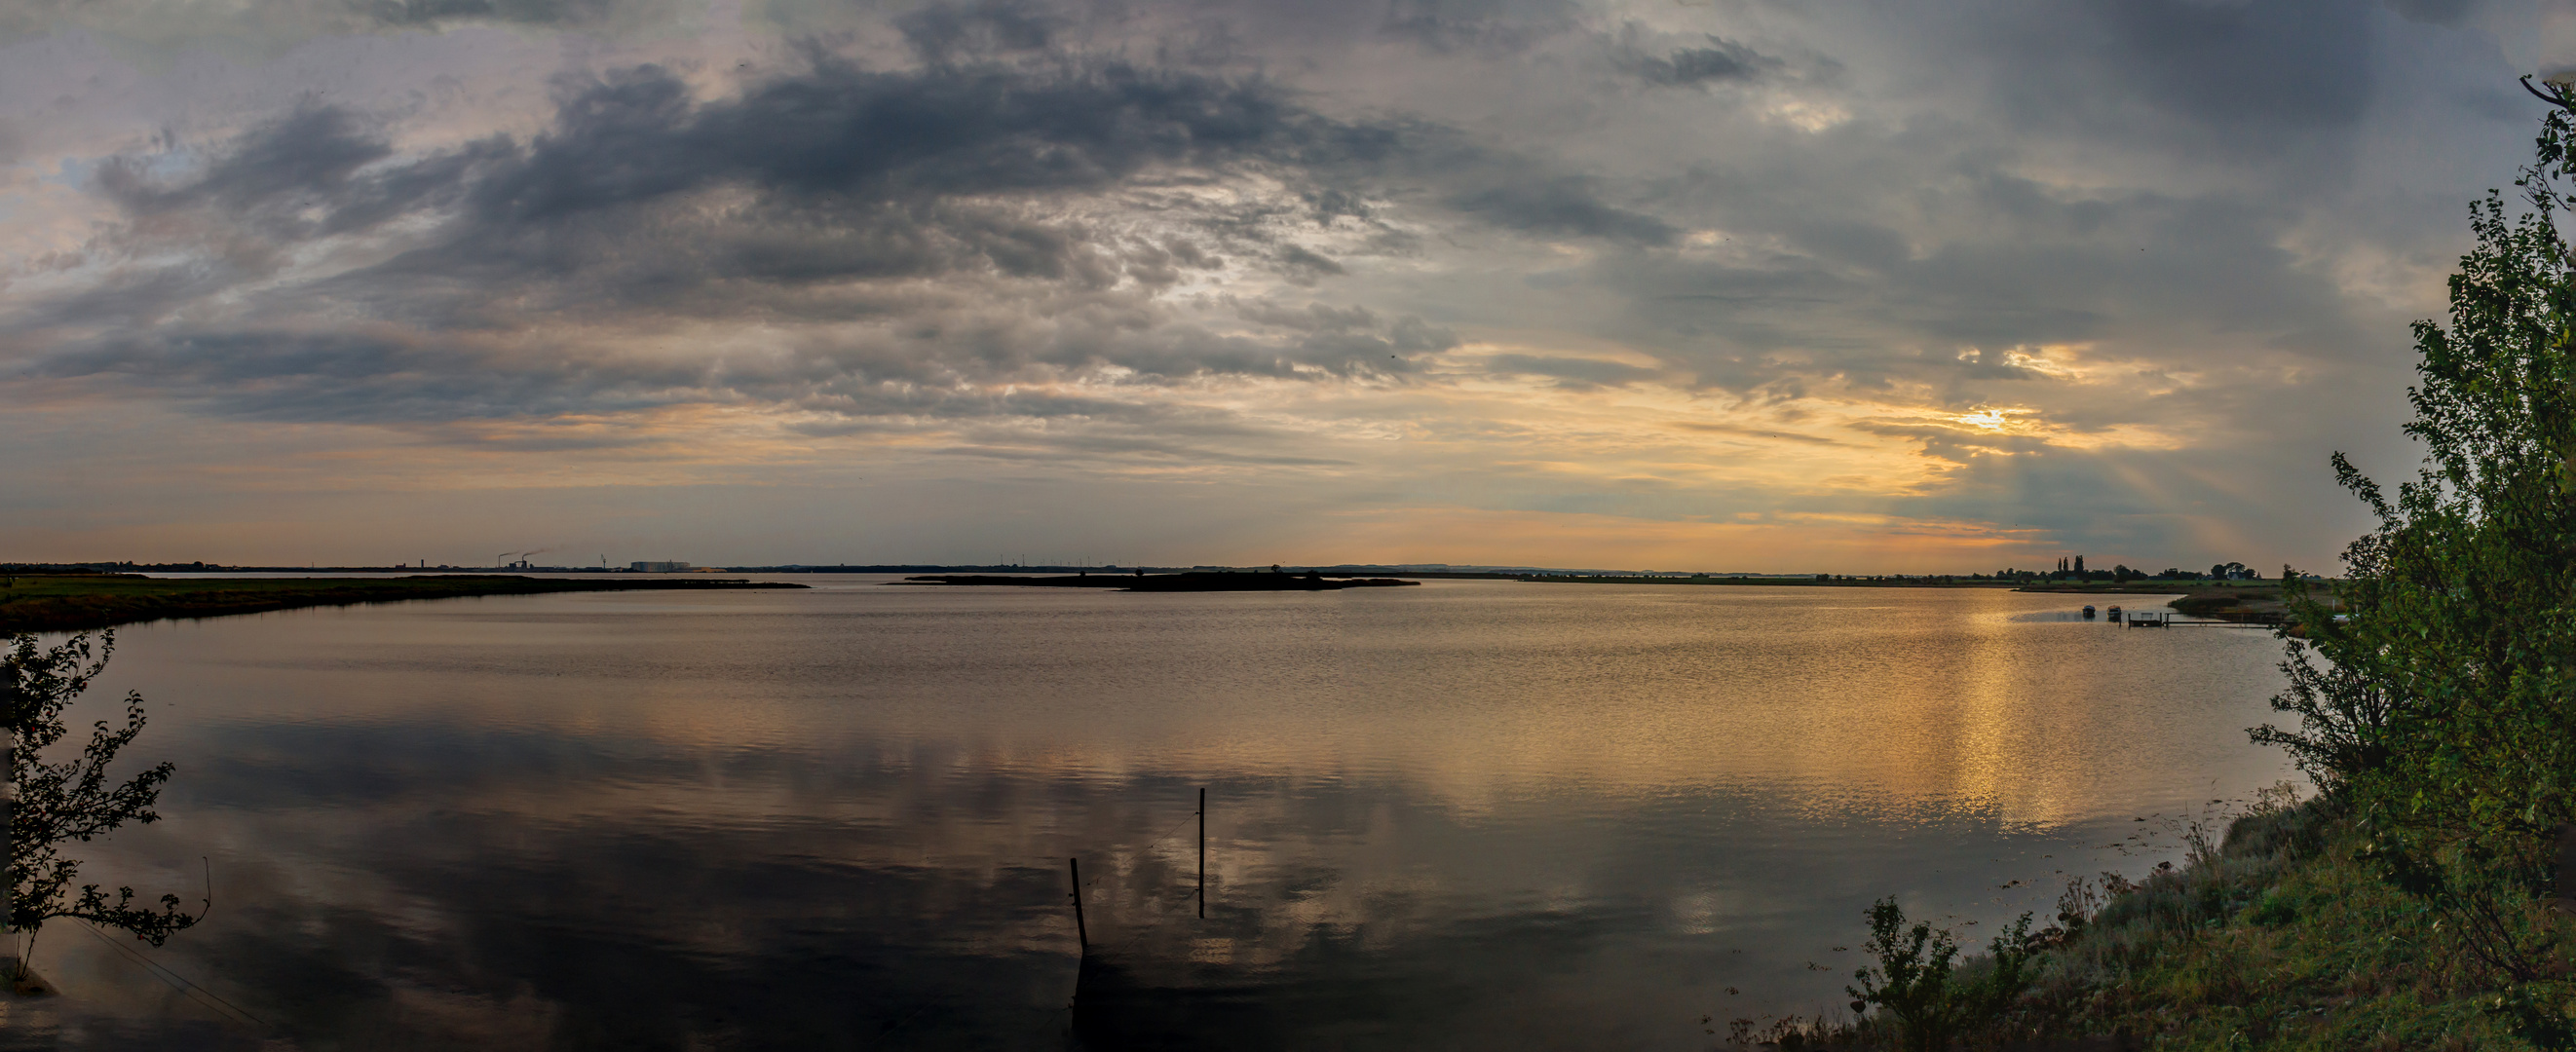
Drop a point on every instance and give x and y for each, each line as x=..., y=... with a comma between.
x=1470, y=814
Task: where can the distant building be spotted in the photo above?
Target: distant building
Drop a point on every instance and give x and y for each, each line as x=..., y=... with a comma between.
x=661, y=567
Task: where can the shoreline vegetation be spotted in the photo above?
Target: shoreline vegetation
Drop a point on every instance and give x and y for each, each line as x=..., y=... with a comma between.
x=2279, y=931
x=2426, y=899
x=73, y=602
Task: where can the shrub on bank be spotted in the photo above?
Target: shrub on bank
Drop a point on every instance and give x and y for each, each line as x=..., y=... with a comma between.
x=2281, y=935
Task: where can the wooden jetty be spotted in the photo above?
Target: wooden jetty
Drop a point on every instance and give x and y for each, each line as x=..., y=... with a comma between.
x=2167, y=619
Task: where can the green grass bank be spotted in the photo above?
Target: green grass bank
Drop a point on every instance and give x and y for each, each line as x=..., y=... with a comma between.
x=2280, y=934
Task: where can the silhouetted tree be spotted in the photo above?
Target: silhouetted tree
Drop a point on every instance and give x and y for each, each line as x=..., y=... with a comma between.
x=71, y=799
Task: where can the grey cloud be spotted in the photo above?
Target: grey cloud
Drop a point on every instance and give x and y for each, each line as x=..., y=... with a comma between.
x=1413, y=335
x=1331, y=204
x=846, y=131
x=1995, y=363
x=943, y=32
x=2434, y=12
x=1952, y=444
x=1503, y=26
x=1048, y=427
x=1305, y=267
x=1059, y=448
x=2269, y=63
x=810, y=198
x=2255, y=81
x=1562, y=206
x=1721, y=60
x=280, y=176
x=1583, y=372
x=523, y=12
x=1316, y=317
x=280, y=375
x=853, y=176
x=2144, y=180
x=1755, y=432
x=1855, y=294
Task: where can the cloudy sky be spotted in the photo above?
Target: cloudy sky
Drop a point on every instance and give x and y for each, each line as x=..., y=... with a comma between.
x=1685, y=284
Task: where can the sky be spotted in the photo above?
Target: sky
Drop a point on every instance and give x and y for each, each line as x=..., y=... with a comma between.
x=1721, y=285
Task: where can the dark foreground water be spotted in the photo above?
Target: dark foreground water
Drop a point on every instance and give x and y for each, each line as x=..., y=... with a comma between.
x=1466, y=815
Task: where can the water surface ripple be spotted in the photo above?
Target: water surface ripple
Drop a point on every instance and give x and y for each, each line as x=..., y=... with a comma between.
x=1471, y=814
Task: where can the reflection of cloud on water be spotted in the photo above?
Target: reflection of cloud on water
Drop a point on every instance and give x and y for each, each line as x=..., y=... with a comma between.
x=567, y=816
x=1875, y=700
x=496, y=893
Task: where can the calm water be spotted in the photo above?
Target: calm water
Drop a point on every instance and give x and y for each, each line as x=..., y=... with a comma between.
x=1469, y=814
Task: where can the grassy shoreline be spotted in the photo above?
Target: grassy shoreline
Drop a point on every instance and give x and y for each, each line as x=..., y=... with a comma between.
x=73, y=602
x=2280, y=934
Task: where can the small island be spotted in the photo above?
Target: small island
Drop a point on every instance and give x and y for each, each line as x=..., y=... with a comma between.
x=1191, y=581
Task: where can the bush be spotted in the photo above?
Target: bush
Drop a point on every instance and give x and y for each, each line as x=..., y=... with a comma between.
x=1918, y=984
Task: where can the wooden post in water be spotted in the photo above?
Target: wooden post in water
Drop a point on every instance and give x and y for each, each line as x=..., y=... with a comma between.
x=1202, y=852
x=1080, y=931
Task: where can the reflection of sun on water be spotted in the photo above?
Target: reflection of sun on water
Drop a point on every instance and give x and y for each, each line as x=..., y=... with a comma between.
x=1989, y=714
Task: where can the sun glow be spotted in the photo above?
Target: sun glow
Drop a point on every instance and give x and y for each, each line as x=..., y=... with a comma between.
x=1996, y=420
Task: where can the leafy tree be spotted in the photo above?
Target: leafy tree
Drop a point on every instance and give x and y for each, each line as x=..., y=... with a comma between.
x=72, y=799
x=2446, y=715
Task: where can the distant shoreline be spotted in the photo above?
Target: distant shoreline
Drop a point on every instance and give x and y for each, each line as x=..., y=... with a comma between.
x=1170, y=582
x=2252, y=601
x=74, y=602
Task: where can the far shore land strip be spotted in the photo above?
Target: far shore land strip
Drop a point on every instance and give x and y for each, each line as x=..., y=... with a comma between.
x=34, y=599
x=69, y=602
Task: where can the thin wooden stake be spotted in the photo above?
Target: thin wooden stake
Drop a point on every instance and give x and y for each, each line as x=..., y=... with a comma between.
x=1202, y=852
x=1080, y=931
